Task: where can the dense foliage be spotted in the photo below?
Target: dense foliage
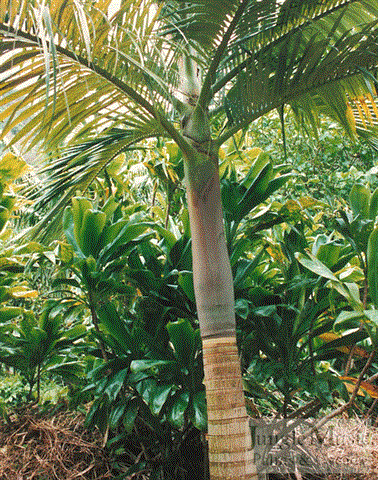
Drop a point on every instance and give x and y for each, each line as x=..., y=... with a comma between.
x=103, y=319
x=132, y=299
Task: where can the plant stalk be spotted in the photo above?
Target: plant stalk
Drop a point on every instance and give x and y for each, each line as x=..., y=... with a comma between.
x=229, y=436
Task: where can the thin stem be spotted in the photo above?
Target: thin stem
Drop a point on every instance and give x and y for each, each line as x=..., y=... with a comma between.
x=38, y=381
x=304, y=410
x=349, y=361
x=371, y=409
x=372, y=378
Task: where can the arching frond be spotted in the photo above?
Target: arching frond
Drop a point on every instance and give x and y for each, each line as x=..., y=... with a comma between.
x=327, y=60
x=68, y=69
x=279, y=52
x=73, y=73
x=201, y=22
x=75, y=169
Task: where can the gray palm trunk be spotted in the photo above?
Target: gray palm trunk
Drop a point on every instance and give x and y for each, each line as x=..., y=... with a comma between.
x=230, y=450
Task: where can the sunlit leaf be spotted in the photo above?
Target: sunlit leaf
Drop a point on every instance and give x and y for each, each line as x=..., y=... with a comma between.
x=364, y=388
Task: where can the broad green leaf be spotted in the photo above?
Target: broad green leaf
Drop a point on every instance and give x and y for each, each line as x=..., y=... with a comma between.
x=158, y=397
x=372, y=315
x=8, y=313
x=255, y=191
x=181, y=335
x=374, y=205
x=372, y=262
x=115, y=383
x=180, y=254
x=93, y=223
x=185, y=280
x=79, y=206
x=137, y=366
x=276, y=183
x=130, y=416
x=110, y=207
x=168, y=236
x=116, y=415
x=4, y=216
x=110, y=232
x=350, y=292
x=75, y=332
x=131, y=231
x=326, y=250
x=348, y=320
x=176, y=414
x=242, y=308
x=117, y=328
x=8, y=201
x=69, y=227
x=146, y=388
x=345, y=343
x=259, y=164
x=359, y=199
x=316, y=266
x=198, y=411
x=245, y=269
x=66, y=281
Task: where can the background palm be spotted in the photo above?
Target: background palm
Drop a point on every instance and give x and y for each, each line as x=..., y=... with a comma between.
x=87, y=85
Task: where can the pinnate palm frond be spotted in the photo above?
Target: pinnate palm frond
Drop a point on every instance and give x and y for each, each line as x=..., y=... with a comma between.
x=67, y=68
x=71, y=72
x=75, y=170
x=201, y=22
x=310, y=54
x=267, y=22
x=326, y=63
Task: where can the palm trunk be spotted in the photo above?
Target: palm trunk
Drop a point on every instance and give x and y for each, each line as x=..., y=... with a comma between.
x=230, y=450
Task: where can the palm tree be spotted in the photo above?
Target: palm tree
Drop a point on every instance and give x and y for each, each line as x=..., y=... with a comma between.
x=86, y=85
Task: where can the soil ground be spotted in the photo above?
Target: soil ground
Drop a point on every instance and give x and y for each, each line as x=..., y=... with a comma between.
x=42, y=447
x=58, y=447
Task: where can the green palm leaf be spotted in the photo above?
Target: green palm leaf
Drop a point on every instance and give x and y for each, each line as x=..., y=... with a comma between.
x=324, y=69
x=97, y=72
x=71, y=74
